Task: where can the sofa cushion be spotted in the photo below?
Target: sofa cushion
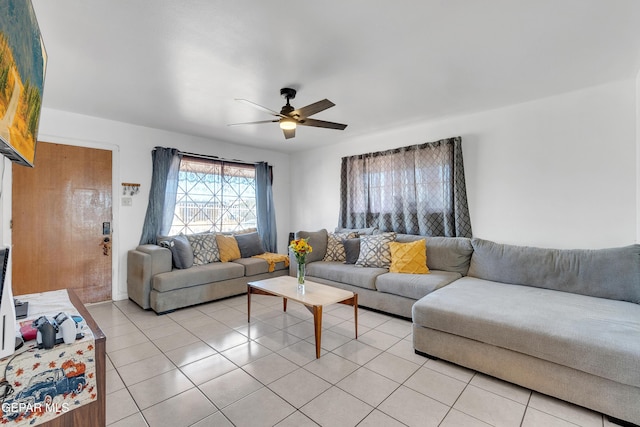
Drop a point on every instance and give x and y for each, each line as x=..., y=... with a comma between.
x=250, y=244
x=444, y=253
x=197, y=275
x=318, y=242
x=375, y=251
x=409, y=257
x=228, y=247
x=335, y=247
x=254, y=266
x=594, y=335
x=345, y=273
x=605, y=273
x=414, y=286
x=352, y=250
x=205, y=248
x=181, y=251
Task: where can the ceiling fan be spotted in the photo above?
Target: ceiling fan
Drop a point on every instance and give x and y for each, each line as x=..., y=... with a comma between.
x=289, y=118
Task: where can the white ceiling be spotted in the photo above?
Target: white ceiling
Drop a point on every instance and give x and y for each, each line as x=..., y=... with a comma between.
x=179, y=65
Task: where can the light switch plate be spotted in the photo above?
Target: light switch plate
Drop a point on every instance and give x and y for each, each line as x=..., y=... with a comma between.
x=127, y=201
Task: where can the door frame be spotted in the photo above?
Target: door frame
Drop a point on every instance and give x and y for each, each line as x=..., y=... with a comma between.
x=7, y=201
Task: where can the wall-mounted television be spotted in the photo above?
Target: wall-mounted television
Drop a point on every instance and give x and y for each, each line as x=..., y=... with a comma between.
x=23, y=62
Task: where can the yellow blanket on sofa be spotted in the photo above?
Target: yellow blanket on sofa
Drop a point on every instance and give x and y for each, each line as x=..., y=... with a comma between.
x=272, y=259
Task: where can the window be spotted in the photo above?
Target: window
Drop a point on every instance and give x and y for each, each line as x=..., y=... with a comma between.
x=214, y=195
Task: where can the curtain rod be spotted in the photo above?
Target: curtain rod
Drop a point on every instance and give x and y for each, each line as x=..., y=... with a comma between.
x=209, y=157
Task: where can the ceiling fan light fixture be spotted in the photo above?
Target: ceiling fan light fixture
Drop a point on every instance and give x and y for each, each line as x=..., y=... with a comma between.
x=287, y=124
x=289, y=117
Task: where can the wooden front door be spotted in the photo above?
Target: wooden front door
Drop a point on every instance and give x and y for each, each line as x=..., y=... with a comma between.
x=61, y=216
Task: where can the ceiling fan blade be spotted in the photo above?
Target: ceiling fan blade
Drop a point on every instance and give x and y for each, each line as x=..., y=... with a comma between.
x=312, y=109
x=322, y=124
x=260, y=107
x=289, y=133
x=253, y=123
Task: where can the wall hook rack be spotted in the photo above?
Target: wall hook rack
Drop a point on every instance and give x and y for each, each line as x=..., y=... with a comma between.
x=130, y=189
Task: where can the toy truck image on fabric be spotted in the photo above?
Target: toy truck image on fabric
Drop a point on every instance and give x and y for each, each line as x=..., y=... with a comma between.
x=39, y=394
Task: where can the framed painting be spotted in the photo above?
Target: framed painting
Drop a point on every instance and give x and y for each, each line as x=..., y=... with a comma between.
x=23, y=62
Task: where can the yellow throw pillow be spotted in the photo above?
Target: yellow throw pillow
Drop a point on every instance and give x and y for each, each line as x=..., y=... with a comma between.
x=228, y=247
x=409, y=258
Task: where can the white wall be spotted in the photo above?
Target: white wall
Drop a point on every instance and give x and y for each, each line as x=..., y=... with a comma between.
x=132, y=146
x=637, y=112
x=556, y=172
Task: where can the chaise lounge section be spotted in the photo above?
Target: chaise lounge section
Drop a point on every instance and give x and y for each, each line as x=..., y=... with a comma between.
x=562, y=322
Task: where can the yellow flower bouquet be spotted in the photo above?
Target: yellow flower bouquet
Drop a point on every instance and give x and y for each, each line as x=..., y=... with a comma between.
x=300, y=248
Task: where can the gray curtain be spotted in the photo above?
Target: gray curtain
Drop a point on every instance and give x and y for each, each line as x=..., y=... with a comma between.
x=265, y=208
x=418, y=189
x=162, y=194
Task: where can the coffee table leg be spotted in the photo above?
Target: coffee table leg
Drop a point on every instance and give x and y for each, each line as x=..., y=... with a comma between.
x=284, y=304
x=355, y=312
x=317, y=324
x=248, y=304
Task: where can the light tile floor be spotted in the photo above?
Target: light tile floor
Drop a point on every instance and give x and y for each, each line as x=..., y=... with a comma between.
x=206, y=366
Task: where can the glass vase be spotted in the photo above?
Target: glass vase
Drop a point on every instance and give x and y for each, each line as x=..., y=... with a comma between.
x=301, y=273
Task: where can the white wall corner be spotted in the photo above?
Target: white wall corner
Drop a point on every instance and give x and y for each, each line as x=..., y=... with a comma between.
x=638, y=157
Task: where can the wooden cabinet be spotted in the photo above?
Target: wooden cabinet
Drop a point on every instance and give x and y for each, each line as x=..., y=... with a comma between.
x=94, y=413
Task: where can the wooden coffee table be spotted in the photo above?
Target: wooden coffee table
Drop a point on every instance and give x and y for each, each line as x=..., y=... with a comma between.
x=315, y=297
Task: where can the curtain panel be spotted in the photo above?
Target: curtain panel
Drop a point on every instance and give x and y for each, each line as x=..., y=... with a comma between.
x=265, y=209
x=419, y=189
x=162, y=194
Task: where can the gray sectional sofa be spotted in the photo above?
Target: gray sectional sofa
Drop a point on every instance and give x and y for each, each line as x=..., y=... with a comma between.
x=562, y=322
x=153, y=282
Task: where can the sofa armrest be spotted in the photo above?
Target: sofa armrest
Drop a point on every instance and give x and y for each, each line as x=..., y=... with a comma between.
x=143, y=263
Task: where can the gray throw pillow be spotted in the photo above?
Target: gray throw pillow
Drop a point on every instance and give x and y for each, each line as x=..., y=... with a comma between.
x=181, y=251
x=352, y=250
x=250, y=244
x=318, y=242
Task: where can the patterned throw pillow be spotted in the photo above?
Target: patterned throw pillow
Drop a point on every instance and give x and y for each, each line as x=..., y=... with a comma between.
x=205, y=248
x=375, y=251
x=335, y=247
x=410, y=258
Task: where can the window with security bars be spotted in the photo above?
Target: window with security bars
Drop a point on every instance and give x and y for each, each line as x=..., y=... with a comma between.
x=214, y=195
